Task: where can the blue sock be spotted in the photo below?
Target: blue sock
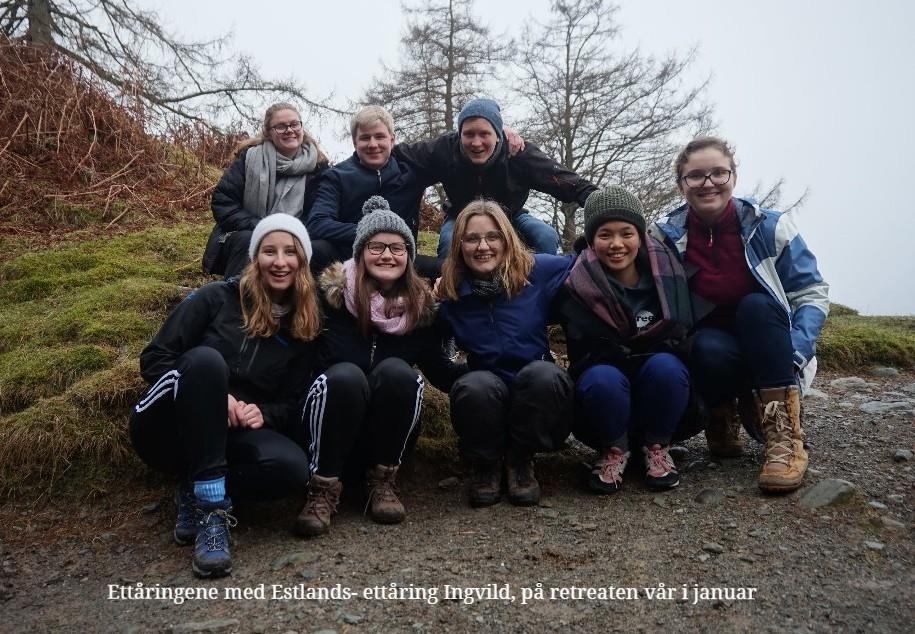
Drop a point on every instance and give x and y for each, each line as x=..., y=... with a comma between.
x=210, y=490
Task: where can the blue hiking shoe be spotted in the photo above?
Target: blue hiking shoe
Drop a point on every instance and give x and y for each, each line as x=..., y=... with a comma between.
x=211, y=548
x=188, y=517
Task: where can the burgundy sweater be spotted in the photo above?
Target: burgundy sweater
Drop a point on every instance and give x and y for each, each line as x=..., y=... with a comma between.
x=723, y=276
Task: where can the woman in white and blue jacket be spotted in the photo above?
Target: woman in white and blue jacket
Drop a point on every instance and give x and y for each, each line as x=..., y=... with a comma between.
x=759, y=302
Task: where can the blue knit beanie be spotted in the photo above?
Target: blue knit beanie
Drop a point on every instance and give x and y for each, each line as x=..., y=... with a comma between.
x=486, y=108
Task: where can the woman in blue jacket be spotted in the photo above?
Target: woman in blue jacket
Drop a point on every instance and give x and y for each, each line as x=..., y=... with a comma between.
x=363, y=408
x=515, y=401
x=274, y=172
x=226, y=372
x=759, y=301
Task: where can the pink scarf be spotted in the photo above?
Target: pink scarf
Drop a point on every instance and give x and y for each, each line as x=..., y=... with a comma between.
x=388, y=315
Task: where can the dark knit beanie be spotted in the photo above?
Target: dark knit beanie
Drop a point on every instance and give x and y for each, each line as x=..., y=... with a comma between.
x=486, y=108
x=376, y=218
x=612, y=203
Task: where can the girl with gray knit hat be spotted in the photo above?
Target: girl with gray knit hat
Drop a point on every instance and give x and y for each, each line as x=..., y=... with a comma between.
x=626, y=311
x=364, y=406
x=274, y=172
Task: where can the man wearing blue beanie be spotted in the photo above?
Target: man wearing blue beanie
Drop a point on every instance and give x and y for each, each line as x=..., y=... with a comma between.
x=474, y=162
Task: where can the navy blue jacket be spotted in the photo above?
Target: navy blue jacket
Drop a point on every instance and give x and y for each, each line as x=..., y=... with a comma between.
x=508, y=181
x=503, y=335
x=346, y=186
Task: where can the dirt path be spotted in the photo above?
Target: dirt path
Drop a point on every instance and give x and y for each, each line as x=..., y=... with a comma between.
x=847, y=567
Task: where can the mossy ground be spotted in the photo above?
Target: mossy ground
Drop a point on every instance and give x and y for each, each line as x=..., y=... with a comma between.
x=74, y=318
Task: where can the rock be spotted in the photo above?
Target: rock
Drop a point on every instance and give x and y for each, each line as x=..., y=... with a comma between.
x=214, y=625
x=874, y=504
x=814, y=472
x=902, y=455
x=811, y=392
x=294, y=559
x=882, y=407
x=826, y=492
x=551, y=513
x=449, y=483
x=889, y=522
x=324, y=631
x=710, y=496
x=873, y=545
x=849, y=383
x=712, y=547
x=712, y=465
x=152, y=507
x=846, y=404
x=678, y=452
x=307, y=573
x=896, y=498
x=884, y=371
x=704, y=557
x=748, y=558
x=910, y=388
x=351, y=619
x=660, y=501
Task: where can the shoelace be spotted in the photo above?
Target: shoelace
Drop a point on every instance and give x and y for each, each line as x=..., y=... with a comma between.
x=217, y=534
x=319, y=500
x=659, y=460
x=780, y=447
x=611, y=466
x=384, y=490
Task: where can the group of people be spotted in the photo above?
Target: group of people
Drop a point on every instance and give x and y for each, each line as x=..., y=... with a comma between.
x=305, y=368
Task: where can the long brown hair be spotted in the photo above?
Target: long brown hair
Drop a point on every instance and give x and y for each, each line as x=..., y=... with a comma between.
x=414, y=291
x=265, y=132
x=517, y=261
x=257, y=307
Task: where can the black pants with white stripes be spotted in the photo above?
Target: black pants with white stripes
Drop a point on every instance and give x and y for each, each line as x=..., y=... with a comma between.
x=374, y=415
x=180, y=427
x=531, y=415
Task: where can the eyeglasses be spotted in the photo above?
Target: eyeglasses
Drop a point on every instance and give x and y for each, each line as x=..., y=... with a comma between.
x=377, y=248
x=718, y=176
x=474, y=239
x=280, y=128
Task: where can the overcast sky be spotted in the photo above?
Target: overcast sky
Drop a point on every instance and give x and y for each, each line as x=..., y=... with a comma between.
x=817, y=92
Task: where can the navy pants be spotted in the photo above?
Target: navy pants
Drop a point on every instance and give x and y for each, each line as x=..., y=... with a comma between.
x=648, y=403
x=533, y=414
x=375, y=416
x=756, y=353
x=180, y=427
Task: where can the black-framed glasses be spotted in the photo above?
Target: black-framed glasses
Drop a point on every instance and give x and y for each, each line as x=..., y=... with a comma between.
x=280, y=128
x=718, y=176
x=377, y=248
x=474, y=239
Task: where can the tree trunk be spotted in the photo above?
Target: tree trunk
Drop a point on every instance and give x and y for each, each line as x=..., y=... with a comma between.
x=39, y=16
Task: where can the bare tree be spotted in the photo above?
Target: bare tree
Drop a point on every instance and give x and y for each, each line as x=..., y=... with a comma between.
x=612, y=117
x=447, y=56
x=130, y=51
x=770, y=196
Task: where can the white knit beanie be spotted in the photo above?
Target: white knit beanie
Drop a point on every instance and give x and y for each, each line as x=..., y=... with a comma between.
x=280, y=222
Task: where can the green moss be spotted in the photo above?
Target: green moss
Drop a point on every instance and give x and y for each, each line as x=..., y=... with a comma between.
x=427, y=243
x=852, y=342
x=841, y=310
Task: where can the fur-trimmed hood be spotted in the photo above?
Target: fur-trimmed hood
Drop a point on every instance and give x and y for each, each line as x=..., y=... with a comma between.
x=333, y=280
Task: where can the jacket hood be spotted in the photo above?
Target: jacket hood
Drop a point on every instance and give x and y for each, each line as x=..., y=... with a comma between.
x=333, y=280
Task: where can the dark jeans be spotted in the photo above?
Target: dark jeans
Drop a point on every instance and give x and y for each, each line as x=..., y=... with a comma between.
x=756, y=353
x=180, y=426
x=326, y=252
x=376, y=415
x=533, y=414
x=648, y=403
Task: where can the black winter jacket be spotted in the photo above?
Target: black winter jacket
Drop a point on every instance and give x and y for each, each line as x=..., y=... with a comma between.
x=341, y=340
x=229, y=196
x=273, y=373
x=346, y=186
x=507, y=181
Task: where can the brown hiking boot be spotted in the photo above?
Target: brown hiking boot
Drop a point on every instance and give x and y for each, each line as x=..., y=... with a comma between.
x=323, y=497
x=485, y=483
x=523, y=488
x=385, y=505
x=785, y=457
x=723, y=431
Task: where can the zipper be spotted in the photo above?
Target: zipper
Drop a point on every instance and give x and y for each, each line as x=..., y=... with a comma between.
x=711, y=237
x=372, y=353
x=379, y=179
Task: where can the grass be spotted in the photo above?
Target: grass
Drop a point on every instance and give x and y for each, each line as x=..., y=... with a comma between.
x=74, y=318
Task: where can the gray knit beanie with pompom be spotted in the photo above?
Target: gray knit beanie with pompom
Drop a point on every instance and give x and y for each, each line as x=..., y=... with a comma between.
x=377, y=217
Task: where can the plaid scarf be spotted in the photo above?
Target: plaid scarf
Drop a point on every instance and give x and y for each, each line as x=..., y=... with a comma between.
x=588, y=283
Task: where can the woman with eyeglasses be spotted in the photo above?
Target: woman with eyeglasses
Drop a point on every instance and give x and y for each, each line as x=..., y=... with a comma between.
x=364, y=406
x=274, y=172
x=515, y=401
x=759, y=301
x=227, y=371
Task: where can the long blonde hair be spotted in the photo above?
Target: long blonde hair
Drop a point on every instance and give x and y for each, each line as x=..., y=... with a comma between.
x=516, y=264
x=265, y=132
x=257, y=307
